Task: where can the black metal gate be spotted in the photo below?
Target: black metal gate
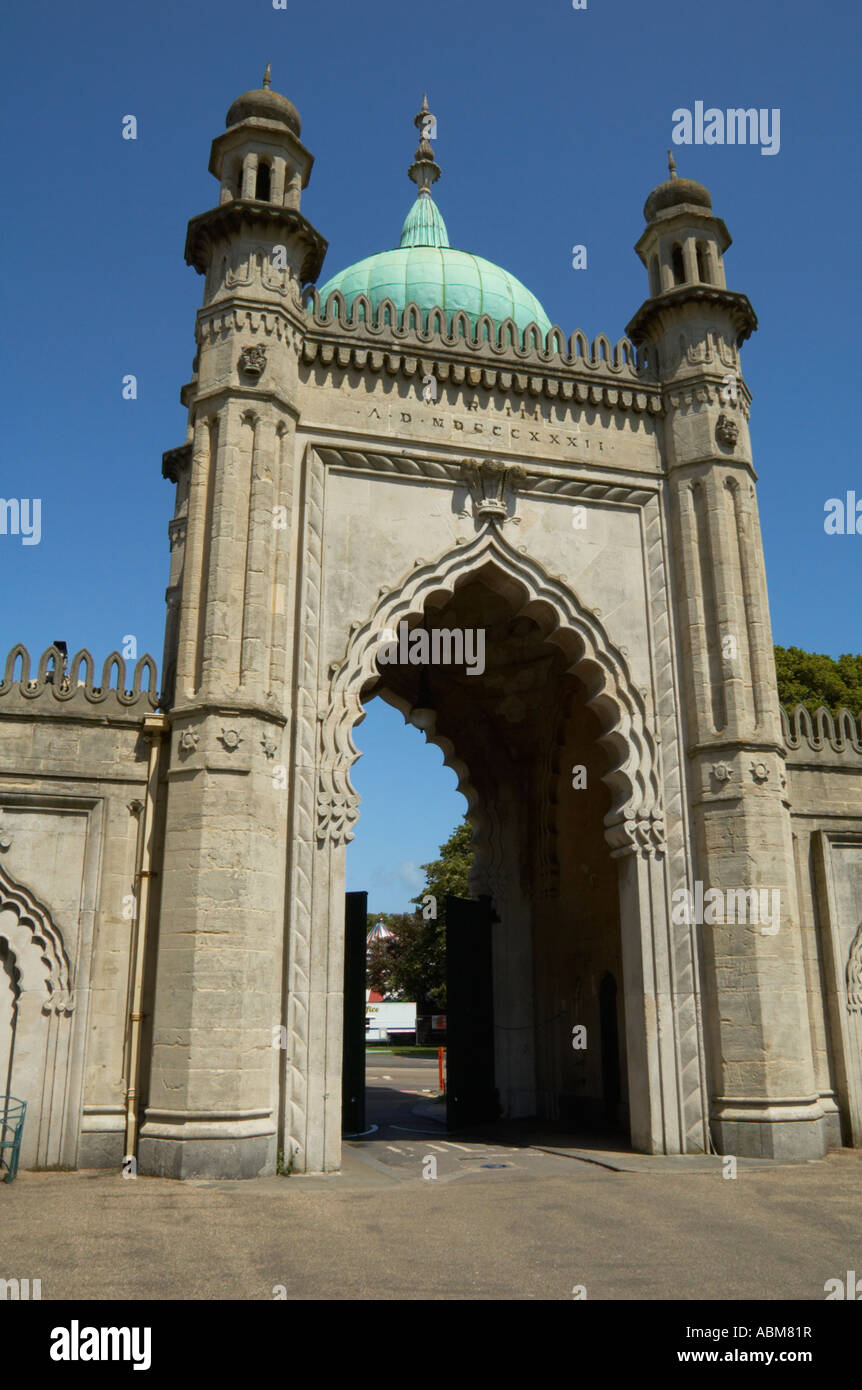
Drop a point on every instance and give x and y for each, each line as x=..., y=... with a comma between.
x=353, y=1062
x=471, y=1096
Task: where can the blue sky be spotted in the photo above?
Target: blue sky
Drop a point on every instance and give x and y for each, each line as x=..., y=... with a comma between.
x=552, y=129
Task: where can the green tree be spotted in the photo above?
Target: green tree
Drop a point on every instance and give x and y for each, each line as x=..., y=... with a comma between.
x=411, y=964
x=813, y=679
x=449, y=873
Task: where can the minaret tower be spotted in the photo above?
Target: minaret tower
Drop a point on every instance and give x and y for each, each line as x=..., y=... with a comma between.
x=213, y=1092
x=764, y=1099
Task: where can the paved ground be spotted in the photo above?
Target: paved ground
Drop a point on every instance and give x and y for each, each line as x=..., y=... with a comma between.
x=501, y=1220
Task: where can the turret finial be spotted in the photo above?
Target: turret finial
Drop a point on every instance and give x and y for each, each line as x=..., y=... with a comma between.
x=267, y=77
x=424, y=170
x=671, y=165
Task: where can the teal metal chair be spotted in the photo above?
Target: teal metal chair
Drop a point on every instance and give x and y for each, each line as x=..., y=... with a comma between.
x=12, y=1113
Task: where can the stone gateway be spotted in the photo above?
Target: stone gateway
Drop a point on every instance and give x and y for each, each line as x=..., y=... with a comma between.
x=414, y=448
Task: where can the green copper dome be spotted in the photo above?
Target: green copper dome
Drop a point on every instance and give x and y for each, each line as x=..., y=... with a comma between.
x=425, y=270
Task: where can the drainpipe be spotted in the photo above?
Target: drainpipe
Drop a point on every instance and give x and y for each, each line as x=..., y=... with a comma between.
x=155, y=726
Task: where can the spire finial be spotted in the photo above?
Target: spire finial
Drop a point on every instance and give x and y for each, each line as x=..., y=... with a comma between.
x=671, y=165
x=267, y=77
x=424, y=170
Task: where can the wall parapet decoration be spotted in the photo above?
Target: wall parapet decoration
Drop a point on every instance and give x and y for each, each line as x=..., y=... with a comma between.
x=822, y=732
x=498, y=339
x=63, y=681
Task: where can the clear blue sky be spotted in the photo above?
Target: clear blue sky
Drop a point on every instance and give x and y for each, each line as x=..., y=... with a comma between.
x=552, y=128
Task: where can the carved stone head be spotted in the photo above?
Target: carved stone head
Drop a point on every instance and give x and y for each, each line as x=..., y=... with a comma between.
x=727, y=431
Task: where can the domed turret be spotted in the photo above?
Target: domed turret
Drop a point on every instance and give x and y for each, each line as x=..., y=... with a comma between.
x=262, y=167
x=682, y=248
x=259, y=156
x=675, y=192
x=264, y=104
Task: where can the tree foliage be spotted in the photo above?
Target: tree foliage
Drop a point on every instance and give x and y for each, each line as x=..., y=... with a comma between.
x=411, y=964
x=813, y=679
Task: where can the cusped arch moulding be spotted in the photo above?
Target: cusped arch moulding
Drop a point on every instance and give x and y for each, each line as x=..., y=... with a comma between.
x=635, y=820
x=38, y=946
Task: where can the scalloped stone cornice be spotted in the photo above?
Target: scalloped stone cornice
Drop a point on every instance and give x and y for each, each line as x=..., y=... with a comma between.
x=650, y=314
x=67, y=691
x=599, y=377
x=588, y=386
x=230, y=219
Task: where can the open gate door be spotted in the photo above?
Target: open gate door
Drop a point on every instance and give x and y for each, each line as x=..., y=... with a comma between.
x=471, y=1096
x=353, y=1060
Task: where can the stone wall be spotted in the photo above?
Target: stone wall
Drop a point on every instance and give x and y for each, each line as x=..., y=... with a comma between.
x=824, y=770
x=73, y=774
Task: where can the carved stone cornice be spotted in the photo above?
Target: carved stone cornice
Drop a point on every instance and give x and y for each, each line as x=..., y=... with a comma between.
x=582, y=385
x=657, y=316
x=241, y=215
x=222, y=318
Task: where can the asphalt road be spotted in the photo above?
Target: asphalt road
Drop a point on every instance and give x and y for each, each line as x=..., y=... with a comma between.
x=488, y=1219
x=379, y=1230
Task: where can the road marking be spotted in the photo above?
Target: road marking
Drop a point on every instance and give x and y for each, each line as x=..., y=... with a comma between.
x=406, y=1129
x=465, y=1147
x=394, y=1149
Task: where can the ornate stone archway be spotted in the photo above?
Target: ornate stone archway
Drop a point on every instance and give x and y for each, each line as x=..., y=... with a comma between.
x=665, y=1081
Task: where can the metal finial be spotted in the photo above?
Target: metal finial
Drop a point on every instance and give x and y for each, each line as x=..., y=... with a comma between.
x=267, y=78
x=671, y=165
x=424, y=170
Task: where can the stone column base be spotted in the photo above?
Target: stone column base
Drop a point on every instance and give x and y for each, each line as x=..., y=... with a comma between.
x=194, y=1144
x=761, y=1127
